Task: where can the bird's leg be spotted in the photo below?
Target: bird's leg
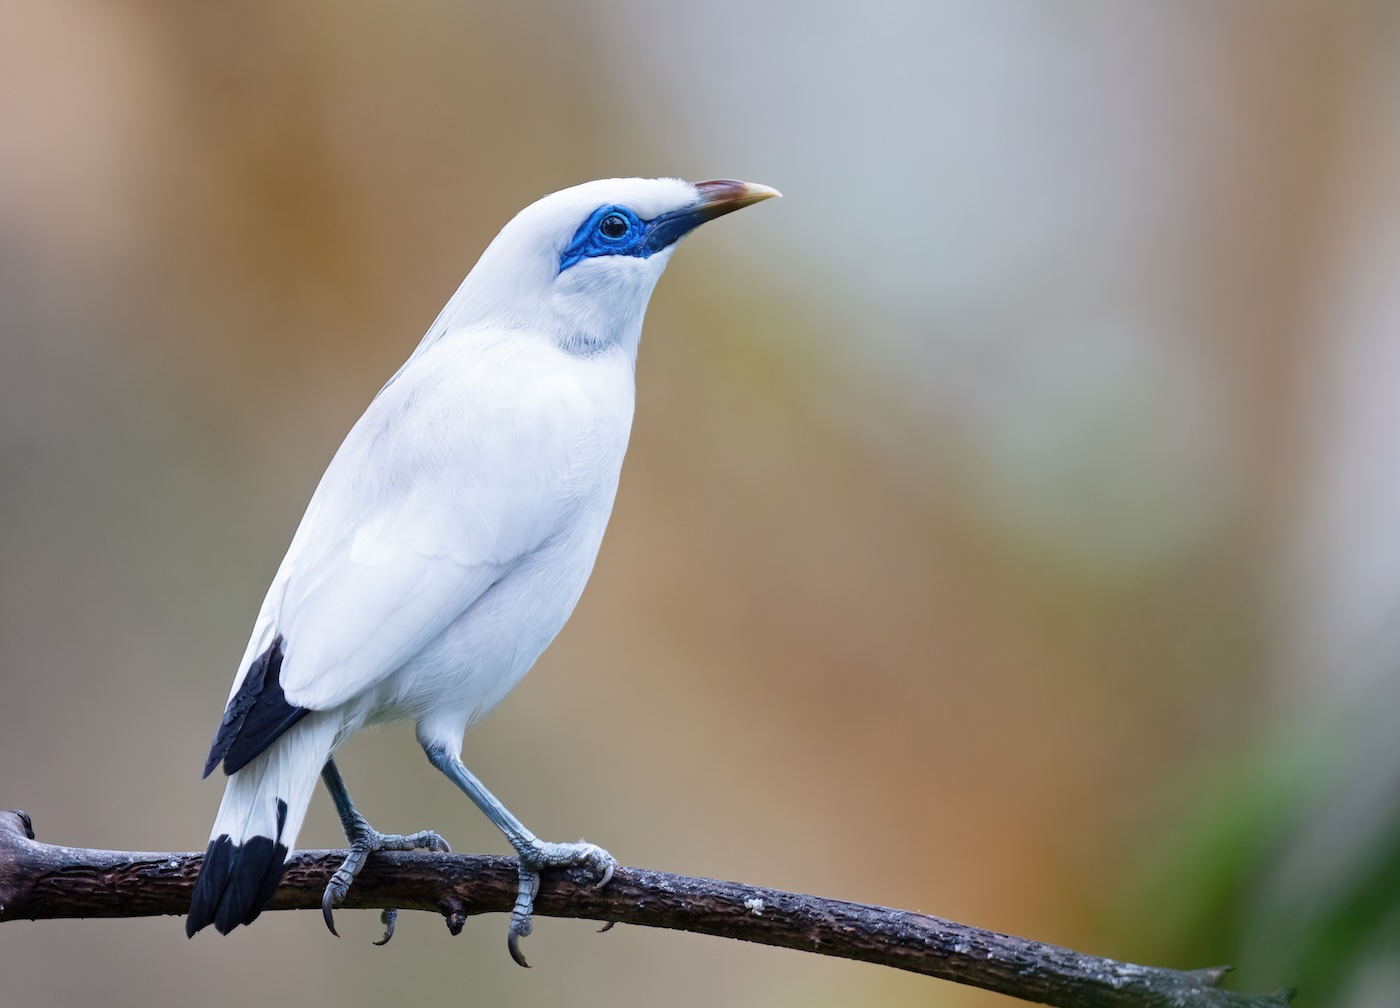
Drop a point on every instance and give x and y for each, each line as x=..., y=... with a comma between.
x=364, y=840
x=535, y=854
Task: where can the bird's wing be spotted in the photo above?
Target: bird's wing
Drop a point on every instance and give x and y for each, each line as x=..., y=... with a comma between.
x=371, y=602
x=444, y=485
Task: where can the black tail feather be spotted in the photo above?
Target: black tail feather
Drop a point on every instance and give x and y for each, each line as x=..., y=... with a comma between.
x=237, y=880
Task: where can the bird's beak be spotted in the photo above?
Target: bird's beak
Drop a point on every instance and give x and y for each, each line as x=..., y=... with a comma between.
x=721, y=196
x=717, y=198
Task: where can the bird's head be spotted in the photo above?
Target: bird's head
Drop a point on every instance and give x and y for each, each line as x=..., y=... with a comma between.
x=580, y=264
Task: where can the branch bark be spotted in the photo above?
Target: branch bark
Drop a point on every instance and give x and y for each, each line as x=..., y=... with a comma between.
x=44, y=881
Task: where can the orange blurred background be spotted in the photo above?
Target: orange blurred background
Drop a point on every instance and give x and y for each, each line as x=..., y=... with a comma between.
x=1008, y=531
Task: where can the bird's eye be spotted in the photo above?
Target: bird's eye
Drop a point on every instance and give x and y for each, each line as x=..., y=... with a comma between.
x=613, y=226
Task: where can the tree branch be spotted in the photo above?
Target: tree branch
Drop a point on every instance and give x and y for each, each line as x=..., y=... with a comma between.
x=43, y=881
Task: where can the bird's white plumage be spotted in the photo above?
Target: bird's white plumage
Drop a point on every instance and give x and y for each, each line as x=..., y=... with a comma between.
x=451, y=478
x=505, y=428
x=283, y=771
x=456, y=526
x=517, y=283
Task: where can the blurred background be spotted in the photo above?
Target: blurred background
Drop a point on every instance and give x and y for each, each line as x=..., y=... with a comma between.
x=1010, y=525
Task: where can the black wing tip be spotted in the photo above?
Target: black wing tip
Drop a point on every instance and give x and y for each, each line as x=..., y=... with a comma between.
x=251, y=744
x=236, y=881
x=257, y=715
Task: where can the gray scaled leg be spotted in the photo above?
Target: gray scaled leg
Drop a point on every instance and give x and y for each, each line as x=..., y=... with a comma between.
x=364, y=840
x=535, y=854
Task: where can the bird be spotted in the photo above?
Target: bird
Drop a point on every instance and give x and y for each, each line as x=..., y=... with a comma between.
x=449, y=539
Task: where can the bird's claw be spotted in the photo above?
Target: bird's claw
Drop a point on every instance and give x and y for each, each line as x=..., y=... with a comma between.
x=327, y=900
x=513, y=945
x=607, y=875
x=339, y=884
x=533, y=860
x=389, y=917
x=365, y=842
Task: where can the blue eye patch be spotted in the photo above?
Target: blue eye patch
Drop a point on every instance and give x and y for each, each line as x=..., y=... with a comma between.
x=615, y=230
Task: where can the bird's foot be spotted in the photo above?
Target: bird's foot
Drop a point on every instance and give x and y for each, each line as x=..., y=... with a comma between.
x=364, y=841
x=538, y=856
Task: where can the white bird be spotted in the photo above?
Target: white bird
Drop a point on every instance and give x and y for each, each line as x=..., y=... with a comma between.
x=450, y=537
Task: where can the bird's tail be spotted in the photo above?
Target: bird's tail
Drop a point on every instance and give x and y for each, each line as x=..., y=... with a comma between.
x=262, y=812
